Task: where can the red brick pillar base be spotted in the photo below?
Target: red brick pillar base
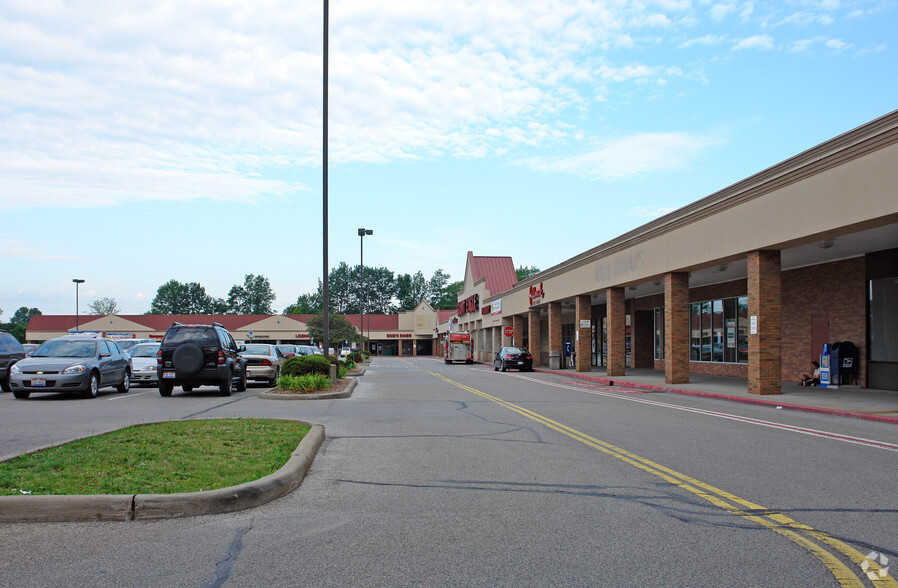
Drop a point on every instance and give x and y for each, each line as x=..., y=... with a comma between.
x=555, y=330
x=765, y=309
x=518, y=324
x=534, y=334
x=617, y=332
x=676, y=328
x=584, y=334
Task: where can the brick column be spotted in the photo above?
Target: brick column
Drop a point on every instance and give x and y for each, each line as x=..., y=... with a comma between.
x=584, y=335
x=555, y=329
x=765, y=301
x=506, y=322
x=676, y=328
x=617, y=332
x=533, y=331
x=518, y=324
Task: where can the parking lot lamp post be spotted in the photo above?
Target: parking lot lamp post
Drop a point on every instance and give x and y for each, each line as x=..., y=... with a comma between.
x=77, y=283
x=363, y=294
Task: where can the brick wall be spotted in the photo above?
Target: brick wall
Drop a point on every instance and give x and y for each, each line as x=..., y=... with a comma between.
x=836, y=291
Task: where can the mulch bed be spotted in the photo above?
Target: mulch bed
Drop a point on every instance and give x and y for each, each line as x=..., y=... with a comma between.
x=337, y=386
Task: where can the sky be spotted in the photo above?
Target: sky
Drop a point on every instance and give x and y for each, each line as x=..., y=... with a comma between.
x=147, y=141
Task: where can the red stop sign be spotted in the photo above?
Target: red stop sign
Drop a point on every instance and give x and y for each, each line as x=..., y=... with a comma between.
x=508, y=331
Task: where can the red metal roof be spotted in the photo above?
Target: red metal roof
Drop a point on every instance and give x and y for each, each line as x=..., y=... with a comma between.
x=498, y=272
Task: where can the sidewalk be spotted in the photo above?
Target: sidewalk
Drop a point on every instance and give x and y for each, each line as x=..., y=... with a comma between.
x=864, y=403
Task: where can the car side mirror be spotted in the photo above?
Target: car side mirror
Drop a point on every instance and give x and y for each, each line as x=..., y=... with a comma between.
x=242, y=348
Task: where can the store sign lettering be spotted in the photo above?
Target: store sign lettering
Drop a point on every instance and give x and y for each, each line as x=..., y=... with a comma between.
x=399, y=335
x=469, y=304
x=536, y=294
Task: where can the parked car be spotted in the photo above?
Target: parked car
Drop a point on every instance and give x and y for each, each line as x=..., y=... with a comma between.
x=263, y=362
x=307, y=350
x=72, y=364
x=11, y=351
x=29, y=347
x=344, y=352
x=200, y=355
x=127, y=344
x=289, y=350
x=513, y=357
x=143, y=363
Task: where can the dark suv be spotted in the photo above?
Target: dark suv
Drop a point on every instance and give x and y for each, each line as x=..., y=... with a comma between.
x=200, y=355
x=11, y=351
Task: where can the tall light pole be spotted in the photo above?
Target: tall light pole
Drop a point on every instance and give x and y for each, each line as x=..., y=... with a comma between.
x=325, y=293
x=362, y=285
x=77, y=283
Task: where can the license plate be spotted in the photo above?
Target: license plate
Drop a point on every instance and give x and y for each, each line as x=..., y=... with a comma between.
x=36, y=382
x=168, y=375
x=520, y=363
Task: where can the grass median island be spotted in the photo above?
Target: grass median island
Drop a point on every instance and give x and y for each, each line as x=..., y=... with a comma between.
x=160, y=458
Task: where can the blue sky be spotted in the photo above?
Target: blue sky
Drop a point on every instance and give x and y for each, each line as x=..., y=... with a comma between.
x=129, y=132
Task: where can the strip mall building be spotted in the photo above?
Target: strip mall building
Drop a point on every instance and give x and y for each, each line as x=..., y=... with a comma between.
x=749, y=282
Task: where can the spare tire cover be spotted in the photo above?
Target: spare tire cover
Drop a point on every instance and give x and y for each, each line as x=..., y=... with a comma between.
x=187, y=359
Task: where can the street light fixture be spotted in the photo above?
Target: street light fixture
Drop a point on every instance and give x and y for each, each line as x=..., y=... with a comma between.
x=77, y=283
x=362, y=284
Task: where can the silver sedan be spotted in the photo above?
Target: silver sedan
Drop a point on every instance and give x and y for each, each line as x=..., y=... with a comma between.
x=144, y=364
x=263, y=362
x=72, y=364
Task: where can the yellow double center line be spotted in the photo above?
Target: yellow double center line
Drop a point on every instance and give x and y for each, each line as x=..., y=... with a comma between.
x=803, y=535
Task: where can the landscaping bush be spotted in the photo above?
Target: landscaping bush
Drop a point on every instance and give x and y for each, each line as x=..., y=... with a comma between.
x=306, y=384
x=303, y=365
x=357, y=357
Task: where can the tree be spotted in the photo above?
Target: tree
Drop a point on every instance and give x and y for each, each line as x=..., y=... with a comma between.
x=436, y=285
x=305, y=304
x=173, y=297
x=410, y=289
x=525, y=272
x=253, y=297
x=18, y=324
x=339, y=329
x=448, y=297
x=104, y=306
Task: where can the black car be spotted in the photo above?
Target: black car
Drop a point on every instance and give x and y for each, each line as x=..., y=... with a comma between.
x=11, y=351
x=513, y=357
x=200, y=355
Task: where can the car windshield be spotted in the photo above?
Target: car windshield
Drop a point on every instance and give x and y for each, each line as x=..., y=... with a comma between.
x=126, y=344
x=66, y=348
x=144, y=350
x=257, y=350
x=515, y=350
x=9, y=344
x=287, y=348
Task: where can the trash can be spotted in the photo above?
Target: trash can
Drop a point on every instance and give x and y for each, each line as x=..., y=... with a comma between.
x=554, y=360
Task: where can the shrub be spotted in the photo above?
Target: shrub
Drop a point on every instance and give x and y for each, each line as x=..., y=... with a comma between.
x=302, y=365
x=357, y=357
x=304, y=384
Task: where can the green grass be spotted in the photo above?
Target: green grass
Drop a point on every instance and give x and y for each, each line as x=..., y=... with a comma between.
x=161, y=458
x=307, y=384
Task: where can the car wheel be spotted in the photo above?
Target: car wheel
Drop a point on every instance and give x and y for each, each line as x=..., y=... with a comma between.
x=187, y=359
x=277, y=375
x=4, y=384
x=503, y=366
x=186, y=388
x=165, y=388
x=126, y=383
x=241, y=383
x=22, y=395
x=495, y=367
x=226, y=386
x=93, y=386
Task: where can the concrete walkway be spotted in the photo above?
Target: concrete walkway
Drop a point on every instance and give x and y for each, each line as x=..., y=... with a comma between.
x=866, y=403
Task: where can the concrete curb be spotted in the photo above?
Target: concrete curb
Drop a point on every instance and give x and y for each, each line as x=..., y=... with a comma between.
x=126, y=507
x=323, y=396
x=718, y=396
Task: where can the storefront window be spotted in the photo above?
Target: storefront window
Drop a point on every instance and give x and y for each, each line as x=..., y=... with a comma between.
x=719, y=330
x=659, y=333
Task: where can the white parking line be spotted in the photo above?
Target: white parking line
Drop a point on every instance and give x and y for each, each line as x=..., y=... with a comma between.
x=723, y=415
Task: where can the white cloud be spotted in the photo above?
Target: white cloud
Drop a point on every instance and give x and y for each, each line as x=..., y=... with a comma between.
x=650, y=212
x=763, y=42
x=10, y=249
x=628, y=157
